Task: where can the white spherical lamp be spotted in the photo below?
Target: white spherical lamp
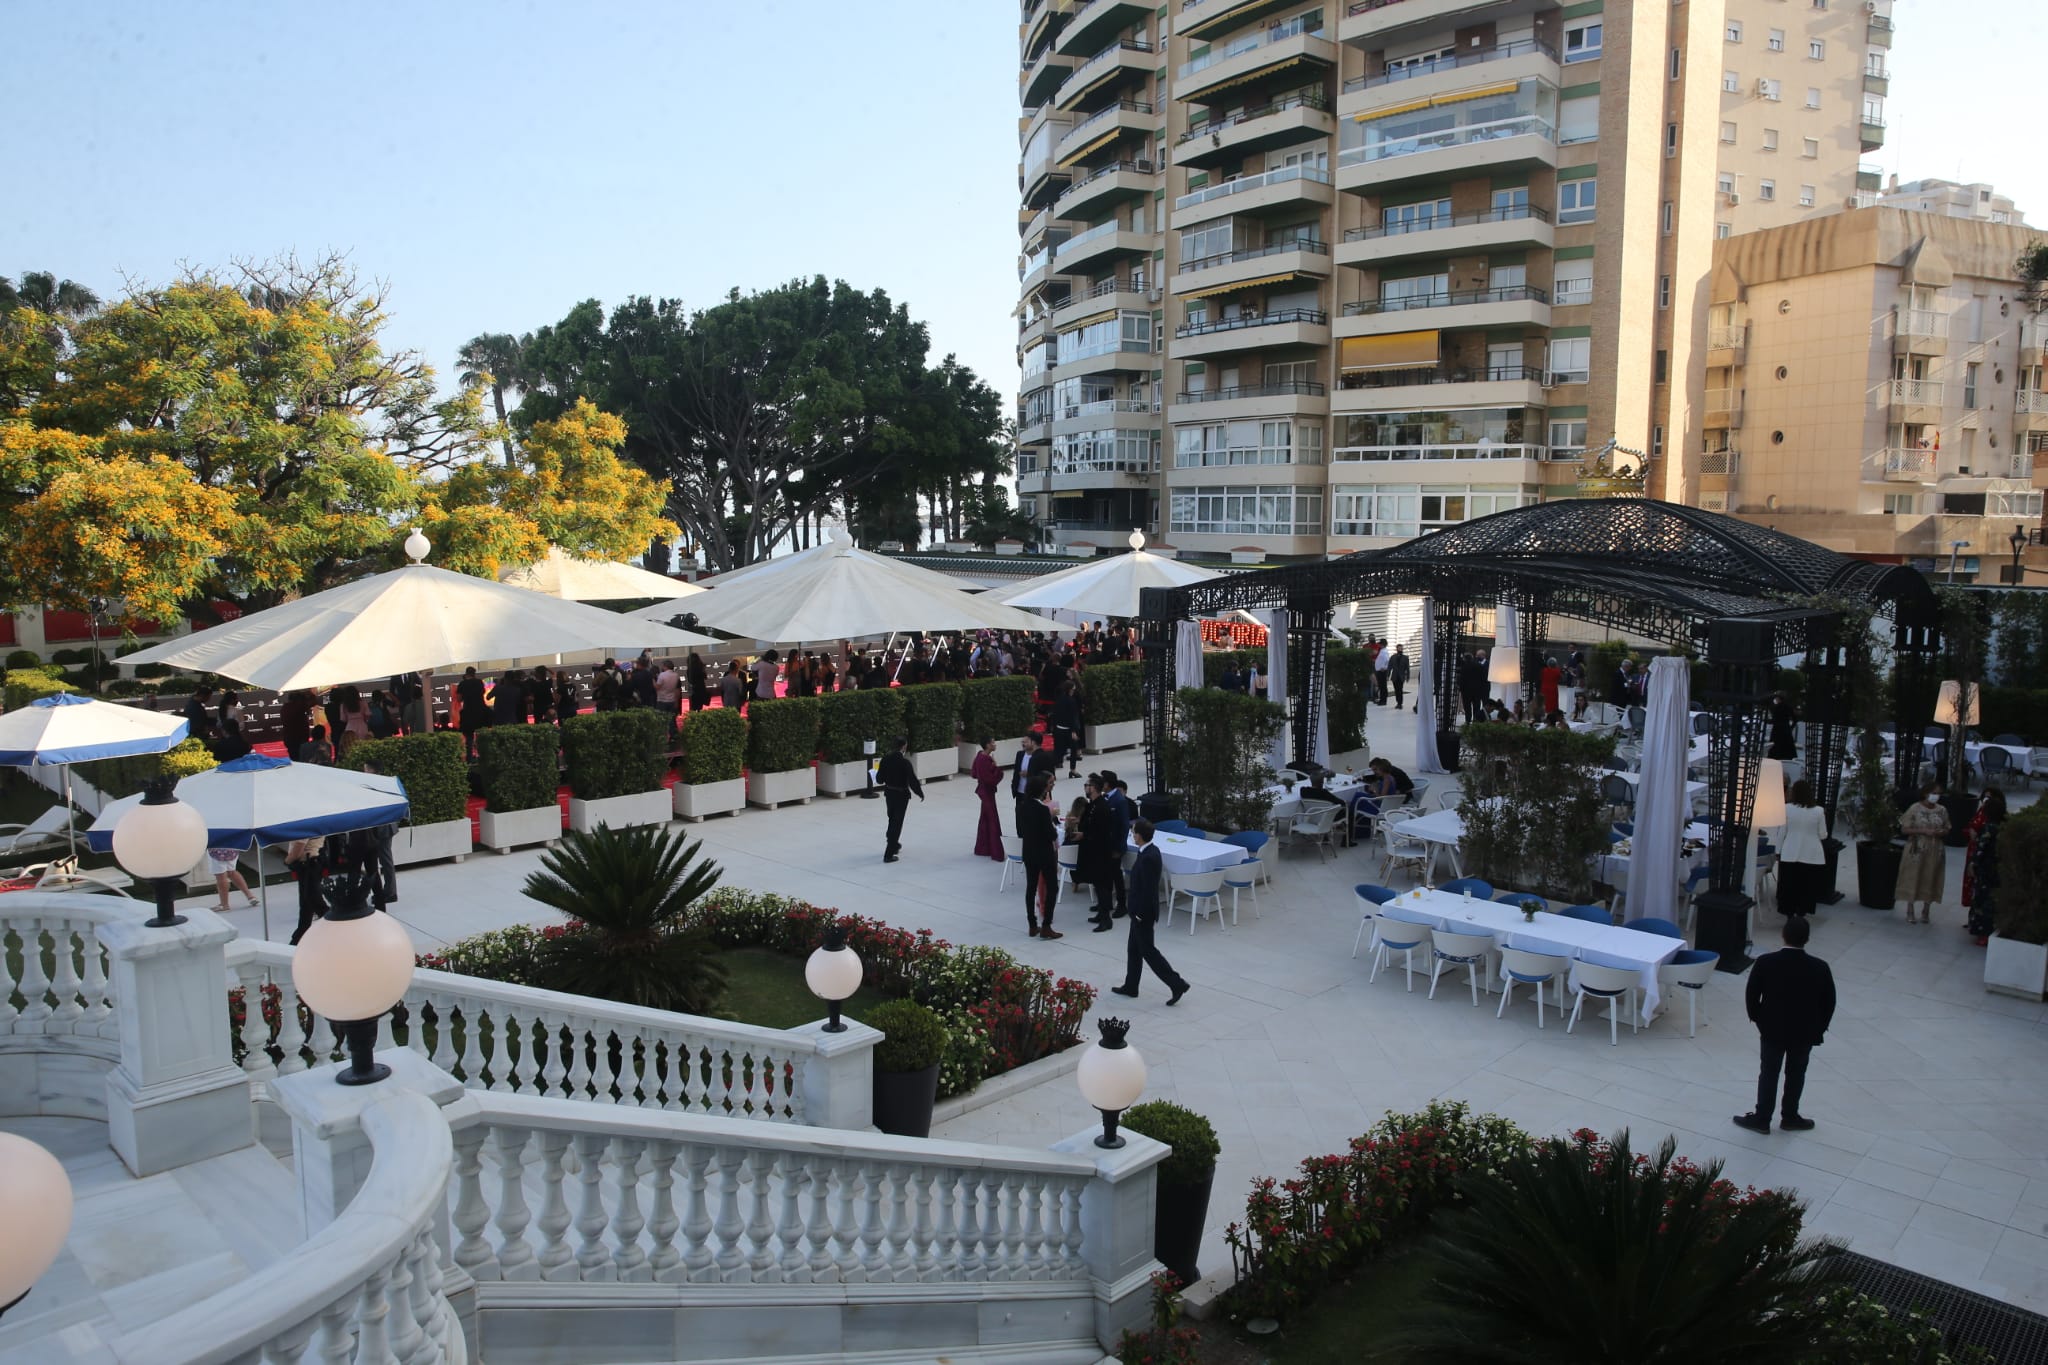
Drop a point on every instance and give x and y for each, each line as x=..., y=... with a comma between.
x=1111, y=1076
x=159, y=841
x=35, y=1208
x=834, y=972
x=417, y=546
x=350, y=968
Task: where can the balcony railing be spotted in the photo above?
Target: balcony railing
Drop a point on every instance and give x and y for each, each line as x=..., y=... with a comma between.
x=1110, y=286
x=1724, y=400
x=1278, y=33
x=1307, y=244
x=1110, y=347
x=1368, y=6
x=1903, y=465
x=1438, y=374
x=1305, y=99
x=1437, y=223
x=1285, y=315
x=1105, y=466
x=1481, y=450
x=2030, y=401
x=1102, y=118
x=1245, y=184
x=1103, y=406
x=1305, y=387
x=1138, y=165
x=1918, y=392
x=1451, y=62
x=1105, y=59
x=1721, y=462
x=1727, y=338
x=1516, y=293
x=1525, y=125
x=1922, y=322
x=1096, y=233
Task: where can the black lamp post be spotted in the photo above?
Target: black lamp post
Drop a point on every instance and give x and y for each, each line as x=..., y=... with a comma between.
x=2018, y=540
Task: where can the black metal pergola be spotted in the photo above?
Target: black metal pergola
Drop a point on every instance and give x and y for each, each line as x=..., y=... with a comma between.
x=1737, y=594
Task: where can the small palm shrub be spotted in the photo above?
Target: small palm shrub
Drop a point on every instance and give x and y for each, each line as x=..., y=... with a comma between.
x=629, y=892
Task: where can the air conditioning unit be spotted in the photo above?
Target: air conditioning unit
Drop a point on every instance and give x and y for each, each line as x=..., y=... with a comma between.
x=1734, y=198
x=1154, y=294
x=1870, y=6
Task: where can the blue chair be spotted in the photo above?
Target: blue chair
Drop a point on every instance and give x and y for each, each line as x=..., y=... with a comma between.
x=1531, y=969
x=1170, y=827
x=1190, y=832
x=1478, y=890
x=1625, y=828
x=1253, y=842
x=1518, y=899
x=1592, y=914
x=1449, y=949
x=1691, y=968
x=1650, y=924
x=1369, y=898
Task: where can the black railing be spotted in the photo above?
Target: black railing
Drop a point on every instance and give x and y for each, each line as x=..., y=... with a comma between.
x=1499, y=52
x=1307, y=244
x=1308, y=315
x=1307, y=387
x=1307, y=99
x=1431, y=224
x=1512, y=294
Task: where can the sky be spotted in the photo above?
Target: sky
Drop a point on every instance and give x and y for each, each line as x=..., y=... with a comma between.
x=497, y=163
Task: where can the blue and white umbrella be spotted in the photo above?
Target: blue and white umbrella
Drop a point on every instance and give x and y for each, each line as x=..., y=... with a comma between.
x=256, y=800
x=65, y=729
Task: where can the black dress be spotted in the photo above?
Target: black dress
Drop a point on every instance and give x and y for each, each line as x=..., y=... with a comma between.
x=1984, y=875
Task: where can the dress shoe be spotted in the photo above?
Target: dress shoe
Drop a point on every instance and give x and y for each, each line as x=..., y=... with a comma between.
x=1119, y=990
x=1178, y=992
x=888, y=857
x=1756, y=1123
x=1102, y=926
x=1796, y=1123
x=1121, y=914
x=1032, y=930
x=1050, y=933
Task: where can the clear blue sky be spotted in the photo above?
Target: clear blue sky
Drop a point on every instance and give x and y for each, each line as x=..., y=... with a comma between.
x=498, y=162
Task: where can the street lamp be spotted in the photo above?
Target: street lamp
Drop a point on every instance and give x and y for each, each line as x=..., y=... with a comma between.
x=35, y=1208
x=1111, y=1076
x=834, y=972
x=1955, y=547
x=159, y=841
x=351, y=967
x=2018, y=541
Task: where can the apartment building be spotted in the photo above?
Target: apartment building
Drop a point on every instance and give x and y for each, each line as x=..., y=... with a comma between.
x=1312, y=278
x=1875, y=385
x=1946, y=196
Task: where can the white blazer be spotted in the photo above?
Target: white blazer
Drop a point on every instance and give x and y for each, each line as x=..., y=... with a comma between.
x=1805, y=827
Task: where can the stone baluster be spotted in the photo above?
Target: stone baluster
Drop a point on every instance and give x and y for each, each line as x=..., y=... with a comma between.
x=9, y=981
x=515, y=1259
x=972, y=1266
x=579, y=1037
x=670, y=1080
x=404, y=1329
x=518, y=1033
x=34, y=981
x=99, y=1000
x=475, y=1024
x=64, y=983
x=255, y=1031
x=946, y=1242
x=664, y=1262
x=629, y=1259
x=556, y=1260
x=760, y=1226
x=373, y=1321
x=288, y=1347
x=793, y=1267
x=442, y=1053
x=698, y=1262
x=901, y=1257
x=338, y=1332
x=387, y=1037
x=922, y=1261
x=425, y=1300
x=846, y=1223
x=1076, y=1263
x=729, y=1226
x=556, y=1045
x=819, y=1232
x=472, y=1214
x=873, y=1264
x=592, y=1259
x=291, y=1031
x=603, y=1076
x=1032, y=1266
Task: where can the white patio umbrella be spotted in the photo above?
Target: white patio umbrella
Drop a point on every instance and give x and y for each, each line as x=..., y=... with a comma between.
x=831, y=545
x=1662, y=811
x=67, y=729
x=575, y=579
x=1103, y=587
x=406, y=621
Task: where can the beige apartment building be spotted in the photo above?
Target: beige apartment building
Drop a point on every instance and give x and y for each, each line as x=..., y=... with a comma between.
x=1302, y=279
x=1875, y=385
x=1946, y=196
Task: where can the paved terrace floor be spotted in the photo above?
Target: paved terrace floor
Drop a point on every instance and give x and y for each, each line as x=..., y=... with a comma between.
x=1931, y=1095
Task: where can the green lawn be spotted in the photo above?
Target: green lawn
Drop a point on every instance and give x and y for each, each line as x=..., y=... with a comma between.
x=1345, y=1326
x=767, y=988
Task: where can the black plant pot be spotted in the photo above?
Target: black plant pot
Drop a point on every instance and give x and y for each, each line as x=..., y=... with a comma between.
x=1828, y=894
x=904, y=1100
x=1180, y=1212
x=1447, y=749
x=1877, y=874
x=1961, y=808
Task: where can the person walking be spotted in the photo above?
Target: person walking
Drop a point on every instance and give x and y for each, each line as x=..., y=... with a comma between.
x=1102, y=852
x=1980, y=881
x=1784, y=732
x=1924, y=868
x=897, y=777
x=1382, y=666
x=1791, y=1000
x=1397, y=675
x=765, y=670
x=732, y=688
x=304, y=860
x=469, y=709
x=1139, y=949
x=1118, y=796
x=696, y=680
x=222, y=862
x=988, y=775
x=1039, y=832
x=1803, y=856
x=1472, y=687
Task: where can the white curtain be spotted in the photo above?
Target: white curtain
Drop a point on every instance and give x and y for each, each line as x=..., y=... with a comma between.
x=1507, y=634
x=1426, y=758
x=1322, y=747
x=1187, y=654
x=1275, y=621
x=1661, y=808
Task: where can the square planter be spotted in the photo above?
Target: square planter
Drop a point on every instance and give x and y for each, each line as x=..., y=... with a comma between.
x=620, y=812
x=1122, y=734
x=709, y=798
x=1004, y=748
x=507, y=830
x=425, y=843
x=775, y=789
x=842, y=779
x=2015, y=968
x=935, y=765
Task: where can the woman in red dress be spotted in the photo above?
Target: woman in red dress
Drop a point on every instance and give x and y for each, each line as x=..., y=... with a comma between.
x=1549, y=681
x=988, y=777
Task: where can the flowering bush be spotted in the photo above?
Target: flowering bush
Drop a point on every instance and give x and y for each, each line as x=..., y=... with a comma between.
x=515, y=955
x=1722, y=1200
x=238, y=1014
x=1165, y=1342
x=1861, y=1329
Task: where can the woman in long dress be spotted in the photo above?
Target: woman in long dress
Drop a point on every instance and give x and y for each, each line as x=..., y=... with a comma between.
x=1924, y=867
x=988, y=777
x=1980, y=873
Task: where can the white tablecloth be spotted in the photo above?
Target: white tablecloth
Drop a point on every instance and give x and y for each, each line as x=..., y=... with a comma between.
x=1605, y=945
x=2022, y=758
x=1692, y=789
x=1440, y=829
x=1613, y=867
x=1287, y=804
x=1182, y=854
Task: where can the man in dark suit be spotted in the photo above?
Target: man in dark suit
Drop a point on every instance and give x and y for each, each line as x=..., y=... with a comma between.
x=897, y=777
x=1140, y=951
x=1791, y=998
x=1118, y=797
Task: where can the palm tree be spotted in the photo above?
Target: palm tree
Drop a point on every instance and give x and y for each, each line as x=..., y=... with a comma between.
x=492, y=358
x=1596, y=1256
x=44, y=292
x=630, y=891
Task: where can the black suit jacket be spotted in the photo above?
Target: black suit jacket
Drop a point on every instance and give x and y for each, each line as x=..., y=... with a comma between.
x=1144, y=884
x=1791, y=998
x=1039, y=832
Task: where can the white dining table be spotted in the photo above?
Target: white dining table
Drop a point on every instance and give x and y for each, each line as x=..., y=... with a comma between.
x=1287, y=803
x=1183, y=855
x=1441, y=830
x=2022, y=757
x=1604, y=945
x=1613, y=867
x=1692, y=789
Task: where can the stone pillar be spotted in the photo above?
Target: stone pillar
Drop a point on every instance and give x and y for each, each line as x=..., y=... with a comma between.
x=177, y=1096
x=839, y=1078
x=1116, y=1228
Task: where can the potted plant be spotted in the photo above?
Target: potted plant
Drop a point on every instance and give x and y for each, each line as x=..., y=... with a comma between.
x=1181, y=1210
x=1002, y=709
x=436, y=778
x=906, y=1066
x=1112, y=706
x=617, y=760
x=851, y=728
x=1529, y=908
x=2016, y=956
x=518, y=769
x=714, y=743
x=782, y=743
x=931, y=717
x=1217, y=757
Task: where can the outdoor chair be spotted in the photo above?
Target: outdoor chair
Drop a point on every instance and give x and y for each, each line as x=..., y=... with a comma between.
x=1637, y=719
x=1370, y=898
x=1518, y=965
x=1253, y=842
x=1693, y=969
x=1518, y=899
x=1448, y=799
x=1703, y=723
x=1204, y=891
x=1398, y=935
x=1241, y=878
x=1591, y=914
x=1618, y=793
x=1013, y=858
x=1070, y=863
x=1934, y=732
x=1315, y=824
x=1650, y=924
x=1468, y=886
x=1368, y=811
x=1615, y=985
x=1450, y=949
x=1170, y=827
x=2009, y=738
x=45, y=830
x=1401, y=849
x=1995, y=764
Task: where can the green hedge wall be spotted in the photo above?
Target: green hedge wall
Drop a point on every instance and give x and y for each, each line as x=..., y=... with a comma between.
x=25, y=685
x=435, y=774
x=847, y=720
x=1349, y=674
x=1217, y=755
x=119, y=777
x=518, y=766
x=1111, y=693
x=1216, y=663
x=931, y=716
x=998, y=708
x=615, y=753
x=714, y=744
x=782, y=736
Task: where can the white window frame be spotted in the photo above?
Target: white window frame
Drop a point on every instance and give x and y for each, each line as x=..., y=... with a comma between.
x=1731, y=82
x=1816, y=49
x=1734, y=31
x=1571, y=281
x=1813, y=97
x=1775, y=40
x=1583, y=40
x=1809, y=148
x=1770, y=139
x=1575, y=365
x=1807, y=194
x=1767, y=190
x=1729, y=131
x=1584, y=196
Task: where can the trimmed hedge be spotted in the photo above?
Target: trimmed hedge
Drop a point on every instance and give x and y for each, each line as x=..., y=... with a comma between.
x=931, y=716
x=914, y=1038
x=118, y=777
x=714, y=744
x=615, y=753
x=998, y=708
x=517, y=767
x=847, y=720
x=1348, y=675
x=1111, y=693
x=27, y=684
x=2011, y=710
x=24, y=658
x=782, y=736
x=432, y=767
x=1192, y=1137
x=1215, y=663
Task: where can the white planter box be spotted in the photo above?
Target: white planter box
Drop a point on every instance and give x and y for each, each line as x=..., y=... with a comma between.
x=1005, y=748
x=507, y=830
x=2015, y=968
x=620, y=812
x=709, y=798
x=775, y=789
x=842, y=779
x=933, y=765
x=425, y=843
x=1123, y=734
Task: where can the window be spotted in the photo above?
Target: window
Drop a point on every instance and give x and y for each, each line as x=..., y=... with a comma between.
x=1578, y=120
x=1873, y=110
x=1663, y=291
x=1104, y=452
x=1577, y=199
x=1277, y=510
x=1657, y=437
x=1510, y=203
x=1282, y=372
x=1723, y=230
x=1399, y=218
x=1731, y=82
x=1218, y=237
x=1726, y=182
x=1767, y=190
x=1507, y=277
x=1734, y=30
x=1221, y=444
x=1417, y=291
x=1813, y=97
x=1901, y=504
x=1816, y=50
x=1776, y=41
x=1806, y=194
x=1671, y=139
x=1581, y=41
x=1727, y=130
x=1770, y=139
x=1770, y=89
x=1810, y=148
x=1567, y=438
x=1970, y=385
x=1667, y=218
x=1660, y=370
x=1403, y=511
x=1820, y=4
x=1571, y=360
x=1674, y=63
x=1573, y=282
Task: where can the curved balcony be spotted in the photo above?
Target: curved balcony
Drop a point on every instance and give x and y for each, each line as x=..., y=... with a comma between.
x=1100, y=129
x=1488, y=461
x=1284, y=122
x=1105, y=186
x=1446, y=77
x=1254, y=265
x=1285, y=187
x=1366, y=24
x=1411, y=81
x=1514, y=305
x=1288, y=52
x=1039, y=78
x=1245, y=401
x=1134, y=357
x=1254, y=332
x=1095, y=23
x=1119, y=61
x=1525, y=225
x=1120, y=295
x=1086, y=252
x=1435, y=387
x=1495, y=146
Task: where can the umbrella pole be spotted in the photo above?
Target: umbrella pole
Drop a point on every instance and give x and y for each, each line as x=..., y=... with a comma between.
x=263, y=892
x=70, y=813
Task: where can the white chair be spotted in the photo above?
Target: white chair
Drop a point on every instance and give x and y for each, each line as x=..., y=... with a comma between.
x=1519, y=966
x=1447, y=800
x=1368, y=913
x=1204, y=891
x=1615, y=985
x=45, y=830
x=1691, y=969
x=1070, y=862
x=1402, y=850
x=1317, y=824
x=1013, y=858
x=1398, y=935
x=1244, y=877
x=1457, y=949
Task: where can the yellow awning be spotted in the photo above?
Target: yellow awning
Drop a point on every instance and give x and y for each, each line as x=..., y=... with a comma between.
x=1243, y=284
x=1413, y=106
x=1070, y=493
x=1088, y=321
x=1396, y=351
x=1103, y=141
x=1202, y=92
